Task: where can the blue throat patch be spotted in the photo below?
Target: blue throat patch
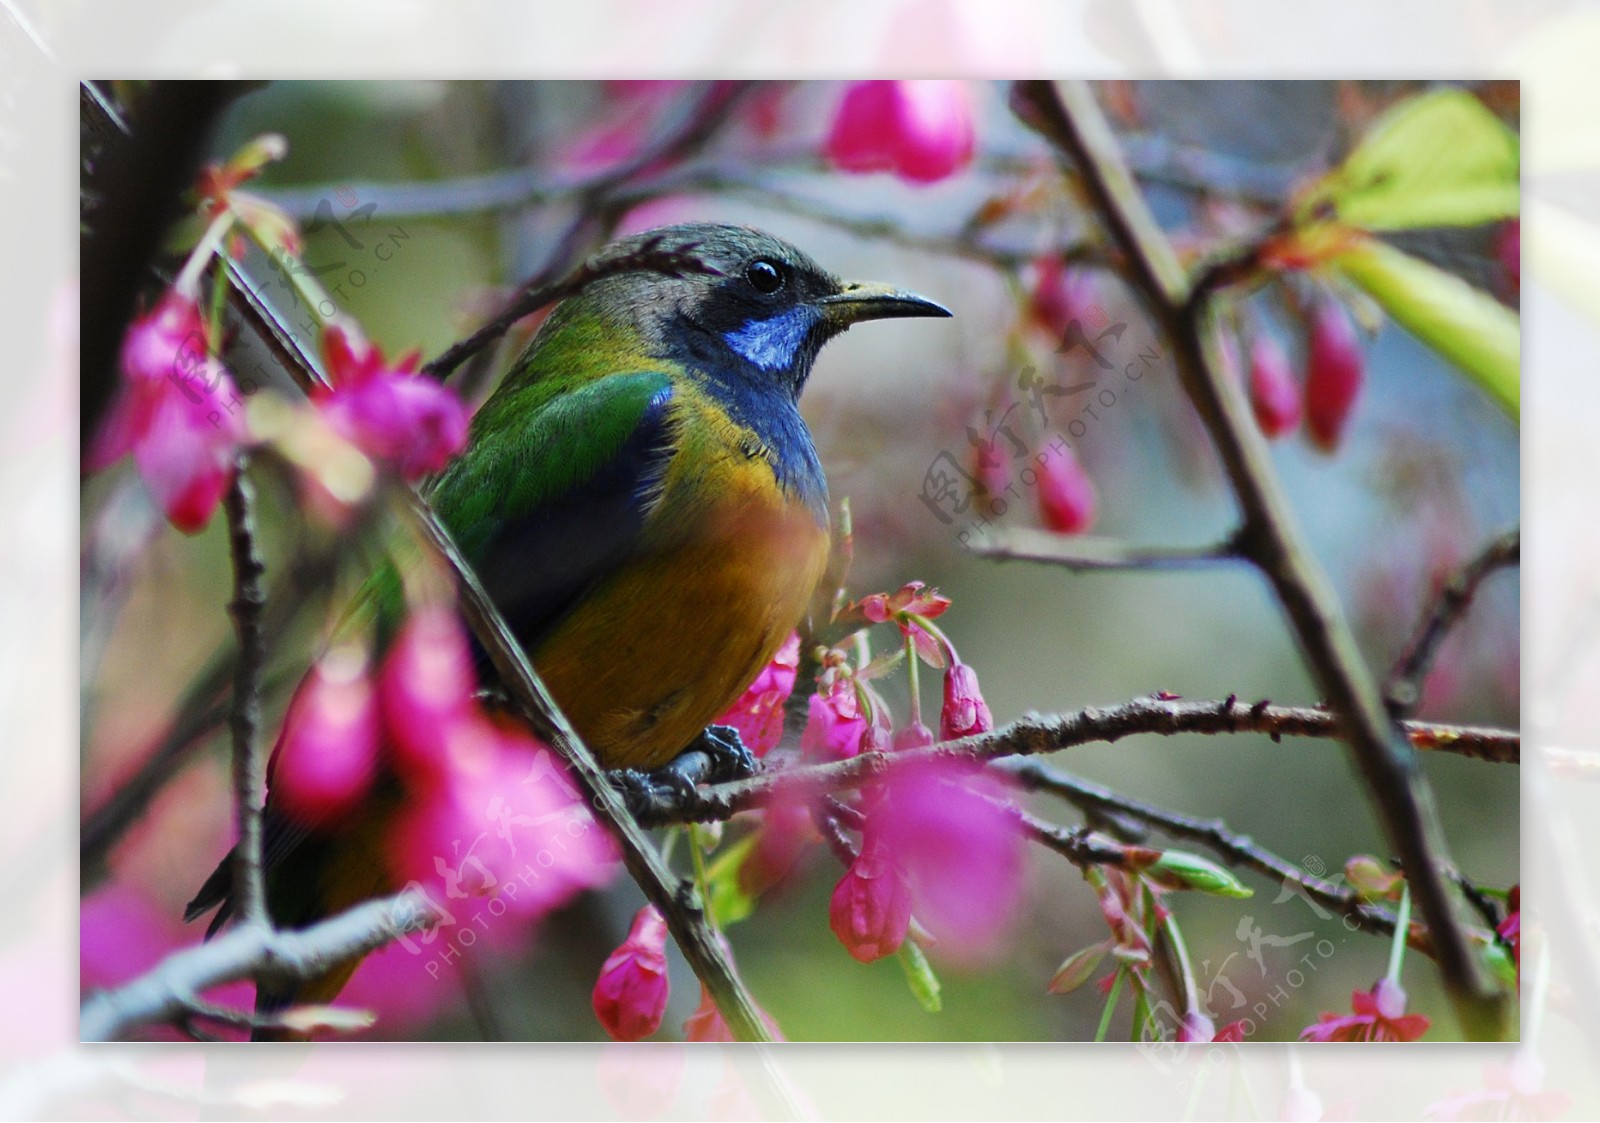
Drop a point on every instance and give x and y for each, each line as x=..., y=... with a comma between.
x=771, y=344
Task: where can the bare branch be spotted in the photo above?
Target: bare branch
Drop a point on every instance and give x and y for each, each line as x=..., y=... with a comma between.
x=1037, y=735
x=1067, y=115
x=1082, y=554
x=171, y=990
x=249, y=765
x=1405, y=681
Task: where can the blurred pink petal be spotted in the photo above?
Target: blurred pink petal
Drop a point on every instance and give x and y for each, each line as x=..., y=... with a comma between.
x=921, y=131
x=758, y=713
x=949, y=829
x=834, y=723
x=328, y=754
x=427, y=687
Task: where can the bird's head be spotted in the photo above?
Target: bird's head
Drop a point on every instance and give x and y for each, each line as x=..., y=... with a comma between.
x=747, y=304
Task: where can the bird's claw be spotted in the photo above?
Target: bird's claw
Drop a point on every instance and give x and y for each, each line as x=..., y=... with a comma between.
x=716, y=756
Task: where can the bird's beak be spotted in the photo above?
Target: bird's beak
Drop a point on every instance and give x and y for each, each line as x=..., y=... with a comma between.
x=867, y=300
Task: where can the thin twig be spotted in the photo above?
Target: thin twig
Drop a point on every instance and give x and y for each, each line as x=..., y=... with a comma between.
x=1032, y=544
x=1405, y=680
x=1038, y=735
x=1067, y=115
x=249, y=764
x=167, y=992
x=1234, y=849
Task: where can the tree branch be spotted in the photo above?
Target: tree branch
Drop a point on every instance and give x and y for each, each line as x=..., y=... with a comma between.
x=172, y=989
x=249, y=766
x=1038, y=735
x=1405, y=680
x=1084, y=554
x=1067, y=115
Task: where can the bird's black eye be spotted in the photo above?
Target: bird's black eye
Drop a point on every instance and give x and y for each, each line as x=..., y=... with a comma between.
x=766, y=277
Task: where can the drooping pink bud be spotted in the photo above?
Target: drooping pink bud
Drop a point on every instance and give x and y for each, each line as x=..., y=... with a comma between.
x=427, y=686
x=389, y=411
x=965, y=712
x=913, y=736
x=871, y=906
x=834, y=723
x=1066, y=493
x=1335, y=370
x=630, y=996
x=328, y=753
x=178, y=413
x=921, y=131
x=1061, y=295
x=1274, y=394
x=758, y=713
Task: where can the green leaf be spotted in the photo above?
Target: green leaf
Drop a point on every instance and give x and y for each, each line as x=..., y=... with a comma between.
x=920, y=978
x=1440, y=159
x=727, y=902
x=1078, y=968
x=1466, y=325
x=1500, y=965
x=1182, y=870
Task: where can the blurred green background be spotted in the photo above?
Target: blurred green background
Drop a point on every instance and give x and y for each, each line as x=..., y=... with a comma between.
x=1428, y=472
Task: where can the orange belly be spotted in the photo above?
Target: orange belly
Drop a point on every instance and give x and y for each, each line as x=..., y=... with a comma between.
x=663, y=646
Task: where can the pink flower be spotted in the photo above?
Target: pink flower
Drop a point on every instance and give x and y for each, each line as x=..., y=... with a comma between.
x=1273, y=393
x=178, y=414
x=871, y=906
x=389, y=412
x=1335, y=370
x=992, y=471
x=1066, y=493
x=1061, y=295
x=965, y=712
x=786, y=834
x=1233, y=1031
x=630, y=995
x=913, y=736
x=503, y=821
x=834, y=723
x=428, y=685
x=1379, y=1015
x=706, y=1023
x=950, y=831
x=758, y=713
x=921, y=131
x=328, y=752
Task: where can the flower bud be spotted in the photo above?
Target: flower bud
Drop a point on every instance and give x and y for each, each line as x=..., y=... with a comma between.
x=965, y=712
x=1273, y=393
x=1066, y=493
x=630, y=996
x=1335, y=370
x=329, y=749
x=871, y=906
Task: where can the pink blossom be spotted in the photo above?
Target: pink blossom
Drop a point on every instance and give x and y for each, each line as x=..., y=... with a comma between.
x=178, y=413
x=1066, y=493
x=758, y=713
x=871, y=906
x=1379, y=1015
x=834, y=723
x=388, y=411
x=328, y=753
x=1335, y=370
x=965, y=712
x=630, y=996
x=950, y=831
x=1274, y=395
x=913, y=736
x=992, y=471
x=427, y=686
x=503, y=821
x=921, y=131
x=1061, y=295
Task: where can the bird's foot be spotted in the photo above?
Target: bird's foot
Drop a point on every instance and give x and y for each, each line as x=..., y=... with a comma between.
x=716, y=756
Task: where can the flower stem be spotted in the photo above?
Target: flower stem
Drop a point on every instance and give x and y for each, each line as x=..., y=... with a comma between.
x=188, y=282
x=1402, y=931
x=913, y=684
x=1111, y=1004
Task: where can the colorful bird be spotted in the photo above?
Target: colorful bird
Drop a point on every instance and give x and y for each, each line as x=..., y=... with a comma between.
x=643, y=502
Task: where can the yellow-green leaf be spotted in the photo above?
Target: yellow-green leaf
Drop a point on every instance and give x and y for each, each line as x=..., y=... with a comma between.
x=1464, y=324
x=1439, y=159
x=920, y=978
x=729, y=903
